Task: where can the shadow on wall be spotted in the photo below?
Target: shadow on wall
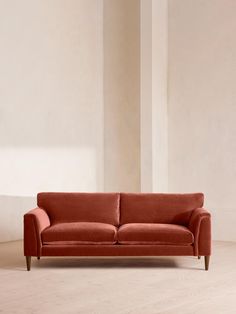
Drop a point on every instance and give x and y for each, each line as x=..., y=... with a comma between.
x=33, y=170
x=12, y=209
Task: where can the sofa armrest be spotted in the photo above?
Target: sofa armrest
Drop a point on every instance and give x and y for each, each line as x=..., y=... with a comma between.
x=35, y=221
x=200, y=226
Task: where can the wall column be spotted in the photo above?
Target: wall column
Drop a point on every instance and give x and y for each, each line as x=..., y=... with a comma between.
x=154, y=128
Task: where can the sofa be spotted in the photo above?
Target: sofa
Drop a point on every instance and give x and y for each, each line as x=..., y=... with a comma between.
x=117, y=224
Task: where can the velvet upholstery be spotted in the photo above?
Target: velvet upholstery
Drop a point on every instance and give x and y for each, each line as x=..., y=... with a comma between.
x=75, y=207
x=146, y=233
x=158, y=208
x=80, y=233
x=35, y=221
x=117, y=250
x=113, y=224
x=200, y=226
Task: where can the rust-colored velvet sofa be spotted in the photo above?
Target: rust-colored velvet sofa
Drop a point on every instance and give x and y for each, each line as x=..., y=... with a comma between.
x=117, y=224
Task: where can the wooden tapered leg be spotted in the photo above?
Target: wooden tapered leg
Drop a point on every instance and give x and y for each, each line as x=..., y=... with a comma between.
x=38, y=257
x=199, y=257
x=207, y=260
x=28, y=262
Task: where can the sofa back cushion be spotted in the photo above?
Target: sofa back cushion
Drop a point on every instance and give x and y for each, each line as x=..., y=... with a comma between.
x=158, y=208
x=81, y=207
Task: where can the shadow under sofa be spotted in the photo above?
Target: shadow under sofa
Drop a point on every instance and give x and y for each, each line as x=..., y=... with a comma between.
x=117, y=224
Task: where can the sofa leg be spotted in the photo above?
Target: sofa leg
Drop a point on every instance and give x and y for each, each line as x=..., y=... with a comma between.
x=199, y=257
x=38, y=257
x=28, y=262
x=207, y=260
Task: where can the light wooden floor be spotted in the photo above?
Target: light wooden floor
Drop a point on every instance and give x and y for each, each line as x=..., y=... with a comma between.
x=176, y=285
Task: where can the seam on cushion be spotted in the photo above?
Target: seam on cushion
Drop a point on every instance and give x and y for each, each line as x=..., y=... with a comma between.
x=121, y=224
x=119, y=208
x=152, y=243
x=77, y=243
x=116, y=235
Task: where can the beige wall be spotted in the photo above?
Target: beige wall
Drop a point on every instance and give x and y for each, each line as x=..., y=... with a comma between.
x=121, y=95
x=159, y=95
x=146, y=100
x=202, y=107
x=51, y=130
x=154, y=130
x=51, y=106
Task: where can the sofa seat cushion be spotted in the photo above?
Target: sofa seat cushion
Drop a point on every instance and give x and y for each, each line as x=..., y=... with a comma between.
x=80, y=233
x=153, y=233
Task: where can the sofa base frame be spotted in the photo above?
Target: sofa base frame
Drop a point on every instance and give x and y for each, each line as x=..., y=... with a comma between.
x=206, y=259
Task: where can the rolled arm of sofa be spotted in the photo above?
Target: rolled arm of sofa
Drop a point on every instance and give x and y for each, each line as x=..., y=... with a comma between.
x=200, y=226
x=35, y=221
